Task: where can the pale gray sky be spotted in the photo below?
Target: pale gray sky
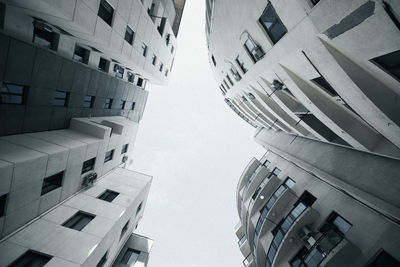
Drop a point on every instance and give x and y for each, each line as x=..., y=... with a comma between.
x=195, y=147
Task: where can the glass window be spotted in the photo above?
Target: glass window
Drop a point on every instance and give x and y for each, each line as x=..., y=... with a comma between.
x=122, y=104
x=3, y=201
x=213, y=60
x=154, y=60
x=88, y=165
x=254, y=50
x=61, y=99
x=13, y=94
x=52, y=182
x=166, y=72
x=108, y=195
x=108, y=103
x=390, y=63
x=131, y=77
x=144, y=49
x=130, y=256
x=124, y=148
x=341, y=224
x=106, y=12
x=229, y=79
x=129, y=35
x=104, y=65
x=119, y=71
x=81, y=54
x=241, y=64
x=275, y=171
x=79, y=221
x=140, y=82
x=88, y=101
x=289, y=182
x=133, y=106
x=31, y=258
x=109, y=156
x=161, y=67
x=272, y=24
x=236, y=74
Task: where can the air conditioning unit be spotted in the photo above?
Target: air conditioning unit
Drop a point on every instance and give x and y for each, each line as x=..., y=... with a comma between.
x=89, y=179
x=124, y=159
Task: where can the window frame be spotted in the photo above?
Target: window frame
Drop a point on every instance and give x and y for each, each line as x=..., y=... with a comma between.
x=109, y=156
x=75, y=223
x=90, y=101
x=65, y=99
x=106, y=9
x=23, y=95
x=129, y=36
x=53, y=182
x=124, y=148
x=269, y=29
x=108, y=195
x=108, y=103
x=89, y=168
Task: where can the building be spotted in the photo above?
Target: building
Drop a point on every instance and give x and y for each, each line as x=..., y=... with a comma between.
x=72, y=93
x=322, y=88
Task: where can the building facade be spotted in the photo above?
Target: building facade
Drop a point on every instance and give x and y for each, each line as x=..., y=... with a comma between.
x=320, y=82
x=72, y=93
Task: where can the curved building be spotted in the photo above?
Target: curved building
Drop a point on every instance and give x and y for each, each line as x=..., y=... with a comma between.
x=323, y=69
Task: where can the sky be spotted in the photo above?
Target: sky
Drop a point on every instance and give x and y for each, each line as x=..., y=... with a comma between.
x=196, y=148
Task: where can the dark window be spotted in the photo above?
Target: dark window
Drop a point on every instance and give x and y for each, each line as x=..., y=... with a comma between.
x=129, y=35
x=124, y=229
x=139, y=82
x=241, y=64
x=161, y=67
x=167, y=39
x=104, y=64
x=52, y=182
x=106, y=12
x=102, y=260
x=108, y=195
x=229, y=79
x=88, y=165
x=324, y=84
x=130, y=256
x=314, y=2
x=108, y=103
x=3, y=201
x=131, y=77
x=31, y=258
x=139, y=208
x=122, y=104
x=89, y=101
x=267, y=163
x=338, y=222
x=124, y=148
x=272, y=24
x=236, y=74
x=109, y=155
x=61, y=99
x=389, y=10
x=81, y=54
x=79, y=221
x=154, y=60
x=133, y=106
x=144, y=49
x=255, y=51
x=2, y=15
x=166, y=72
x=226, y=85
x=384, y=259
x=43, y=35
x=390, y=63
x=172, y=49
x=213, y=60
x=13, y=94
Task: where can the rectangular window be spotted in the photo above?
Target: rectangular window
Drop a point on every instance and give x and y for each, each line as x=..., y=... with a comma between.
x=79, y=221
x=139, y=82
x=133, y=106
x=144, y=49
x=88, y=101
x=213, y=60
x=129, y=35
x=52, y=182
x=119, y=71
x=226, y=84
x=108, y=195
x=88, y=165
x=172, y=49
x=161, y=67
x=236, y=74
x=390, y=63
x=106, y=12
x=272, y=24
x=154, y=60
x=81, y=54
x=43, y=35
x=275, y=171
x=255, y=51
x=108, y=103
x=124, y=229
x=166, y=73
x=13, y=94
x=124, y=148
x=130, y=256
x=104, y=65
x=103, y=260
x=109, y=156
x=229, y=79
x=131, y=77
x=139, y=207
x=61, y=99
x=3, y=201
x=31, y=258
x=241, y=64
x=122, y=104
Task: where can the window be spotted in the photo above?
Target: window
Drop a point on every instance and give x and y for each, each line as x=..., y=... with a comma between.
x=106, y=12
x=154, y=60
x=3, y=201
x=229, y=79
x=226, y=85
x=314, y=2
x=122, y=104
x=88, y=165
x=43, y=35
x=275, y=171
x=144, y=49
x=236, y=74
x=52, y=182
x=133, y=106
x=272, y=24
x=108, y=195
x=389, y=63
x=104, y=65
x=124, y=148
x=131, y=77
x=129, y=35
x=61, y=99
x=172, y=49
x=13, y=94
x=139, y=207
x=103, y=260
x=79, y=220
x=383, y=259
x=109, y=155
x=161, y=67
x=130, y=256
x=31, y=258
x=213, y=60
x=166, y=73
x=108, y=103
x=167, y=38
x=88, y=101
x=140, y=82
x=124, y=229
x=255, y=51
x=241, y=64
x=81, y=54
x=119, y=71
